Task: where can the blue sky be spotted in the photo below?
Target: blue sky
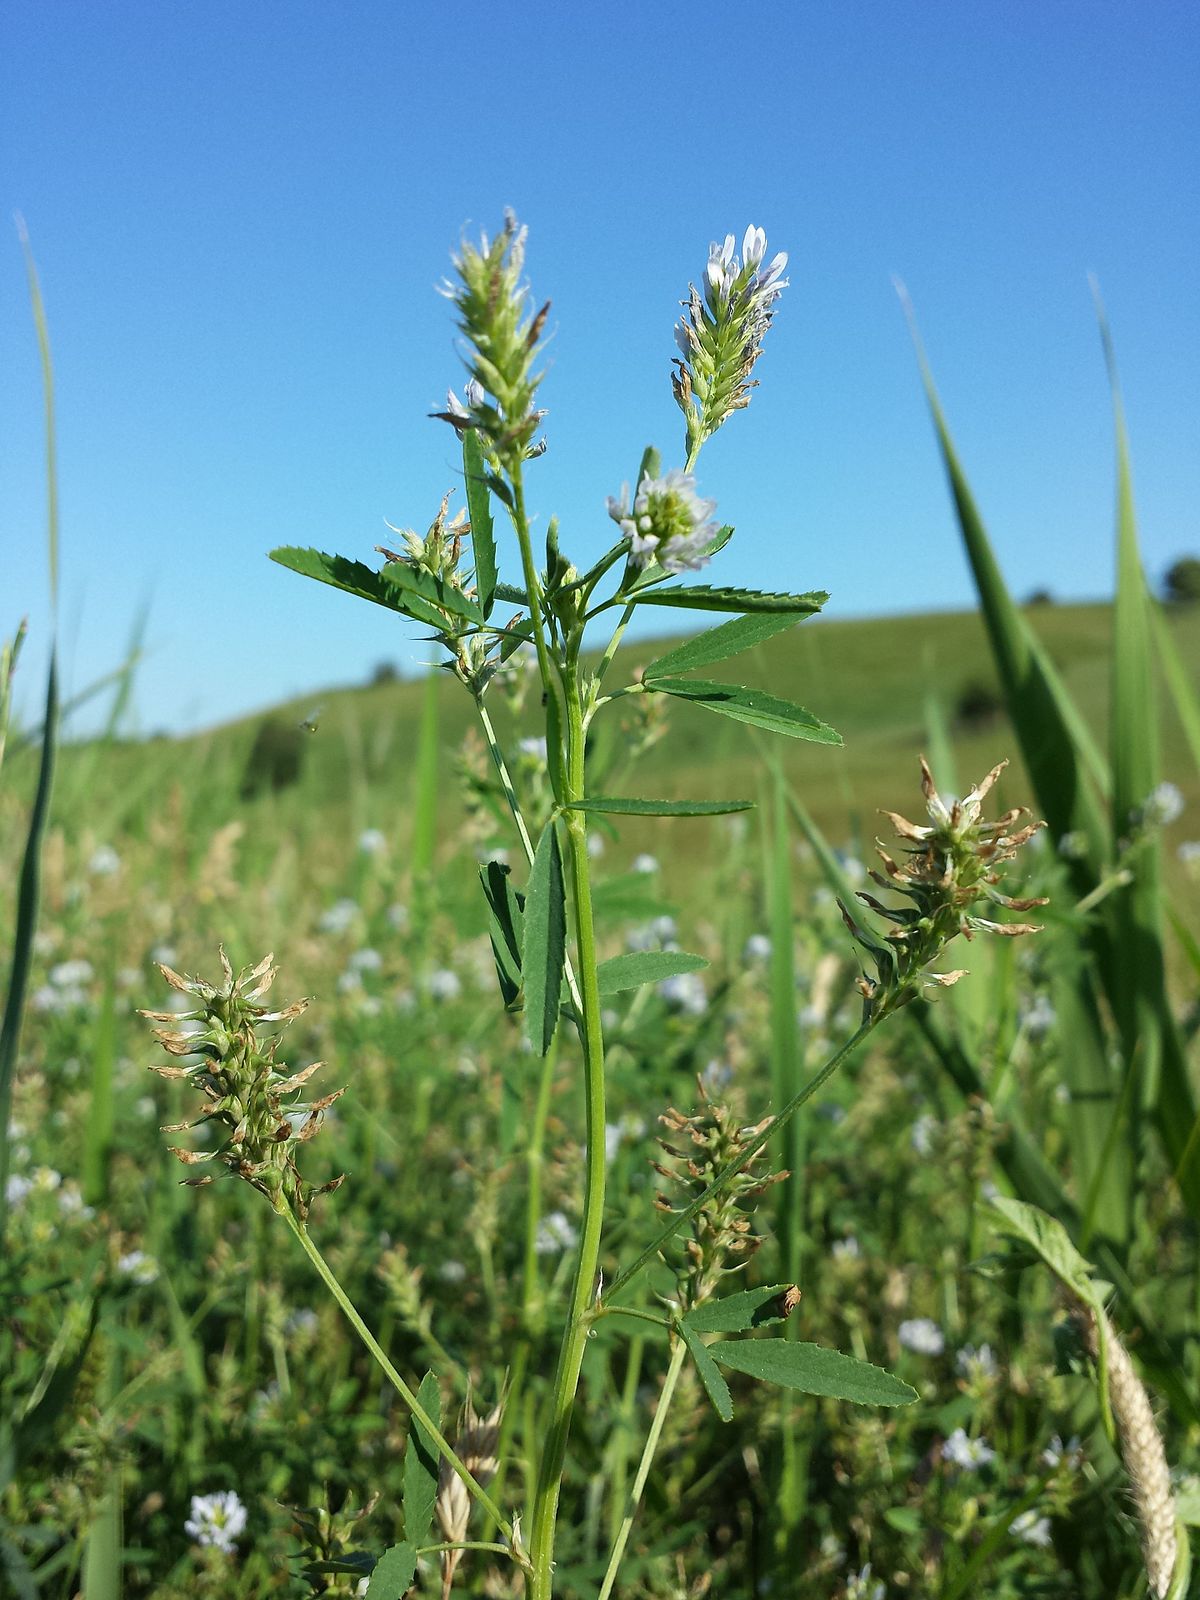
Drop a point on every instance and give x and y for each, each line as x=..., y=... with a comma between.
x=239, y=213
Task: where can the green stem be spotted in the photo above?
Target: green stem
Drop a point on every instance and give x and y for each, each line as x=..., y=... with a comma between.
x=583, y=1293
x=681, y=1218
x=643, y=1471
x=606, y=660
x=534, y=1157
x=443, y=1447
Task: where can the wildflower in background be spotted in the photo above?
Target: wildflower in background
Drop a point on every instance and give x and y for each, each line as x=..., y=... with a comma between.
x=847, y=1249
x=862, y=1586
x=969, y=1454
x=685, y=992
x=216, y=1520
x=301, y=1323
x=1189, y=852
x=104, y=862
x=922, y=1335
x=595, y=846
x=645, y=863
x=555, y=1232
x=1162, y=806
x=372, y=842
x=16, y=1190
x=1057, y=1454
x=1032, y=1529
x=534, y=748
x=922, y=1132
x=668, y=523
x=1073, y=846
x=452, y=1272
x=365, y=961
x=444, y=984
x=397, y=918
x=976, y=1364
x=758, y=948
x=338, y=919
x=138, y=1267
x=1038, y=1016
x=721, y=333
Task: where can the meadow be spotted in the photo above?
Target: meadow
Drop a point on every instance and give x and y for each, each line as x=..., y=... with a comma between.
x=988, y=1234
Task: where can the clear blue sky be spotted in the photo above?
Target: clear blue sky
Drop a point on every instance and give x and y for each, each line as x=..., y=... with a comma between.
x=240, y=210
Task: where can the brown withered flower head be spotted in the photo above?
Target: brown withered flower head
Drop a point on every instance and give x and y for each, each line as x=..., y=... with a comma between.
x=230, y=1058
x=951, y=866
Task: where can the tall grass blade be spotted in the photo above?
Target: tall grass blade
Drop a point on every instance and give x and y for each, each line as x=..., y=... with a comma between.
x=102, y=1551
x=1183, y=691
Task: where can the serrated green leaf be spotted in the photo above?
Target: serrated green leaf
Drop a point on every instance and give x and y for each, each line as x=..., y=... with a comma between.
x=512, y=596
x=426, y=597
x=1049, y=1240
x=644, y=966
x=714, y=1384
x=544, y=947
x=719, y=643
x=699, y=597
x=479, y=509
x=619, y=807
x=421, y=1466
x=393, y=1573
x=814, y=1370
x=735, y=1313
x=506, y=916
x=351, y=577
x=755, y=706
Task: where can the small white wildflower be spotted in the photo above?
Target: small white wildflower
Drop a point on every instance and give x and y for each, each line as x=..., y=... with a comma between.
x=923, y=1336
x=46, y=1180
x=921, y=1133
x=138, y=1266
x=1162, y=806
x=669, y=522
x=370, y=1005
x=1073, y=846
x=811, y=1017
x=758, y=948
x=664, y=929
x=645, y=863
x=534, y=748
x=216, y=1520
x=104, y=862
x=715, y=1076
x=397, y=917
x=444, y=984
x=70, y=1203
x=492, y=852
x=301, y=1323
x=847, y=1249
x=976, y=1364
x=555, y=1232
x=1058, y=1454
x=595, y=845
x=969, y=1454
x=612, y=1140
x=862, y=1586
x=339, y=917
x=1032, y=1529
x=452, y=1272
x=16, y=1188
x=686, y=992
x=349, y=982
x=372, y=842
x=72, y=974
x=365, y=961
x=1038, y=1016
x=1189, y=852
x=165, y=954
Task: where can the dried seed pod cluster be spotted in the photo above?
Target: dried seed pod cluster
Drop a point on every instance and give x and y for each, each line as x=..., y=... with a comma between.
x=232, y=1063
x=951, y=866
x=722, y=1238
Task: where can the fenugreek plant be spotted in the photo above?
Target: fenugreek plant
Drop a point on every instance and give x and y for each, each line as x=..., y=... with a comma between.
x=543, y=936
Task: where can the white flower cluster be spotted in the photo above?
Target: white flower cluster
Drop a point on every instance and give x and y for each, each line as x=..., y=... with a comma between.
x=923, y=1336
x=216, y=1520
x=965, y=1453
x=668, y=523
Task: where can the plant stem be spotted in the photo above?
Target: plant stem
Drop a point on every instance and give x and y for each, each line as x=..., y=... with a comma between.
x=570, y=1358
x=643, y=1471
x=443, y=1447
x=531, y=1308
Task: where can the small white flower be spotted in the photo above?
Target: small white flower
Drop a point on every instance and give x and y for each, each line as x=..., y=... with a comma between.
x=1057, y=1454
x=216, y=1520
x=349, y=982
x=612, y=1140
x=595, y=845
x=1033, y=1529
x=16, y=1189
x=46, y=1180
x=104, y=862
x=365, y=961
x=452, y=1272
x=1189, y=852
x=921, y=1133
x=645, y=863
x=444, y=984
x=555, y=1232
x=758, y=948
x=1162, y=806
x=862, y=1586
x=397, y=917
x=974, y=1364
x=165, y=954
x=138, y=1266
x=301, y=1323
x=1038, y=1016
x=71, y=974
x=923, y=1336
x=669, y=522
x=664, y=929
x=715, y=1076
x=535, y=749
x=969, y=1454
x=1073, y=846
x=372, y=841
x=686, y=992
x=339, y=917
x=70, y=1203
x=847, y=1249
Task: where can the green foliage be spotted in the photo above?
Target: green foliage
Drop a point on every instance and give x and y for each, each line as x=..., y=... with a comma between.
x=543, y=949
x=813, y=1370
